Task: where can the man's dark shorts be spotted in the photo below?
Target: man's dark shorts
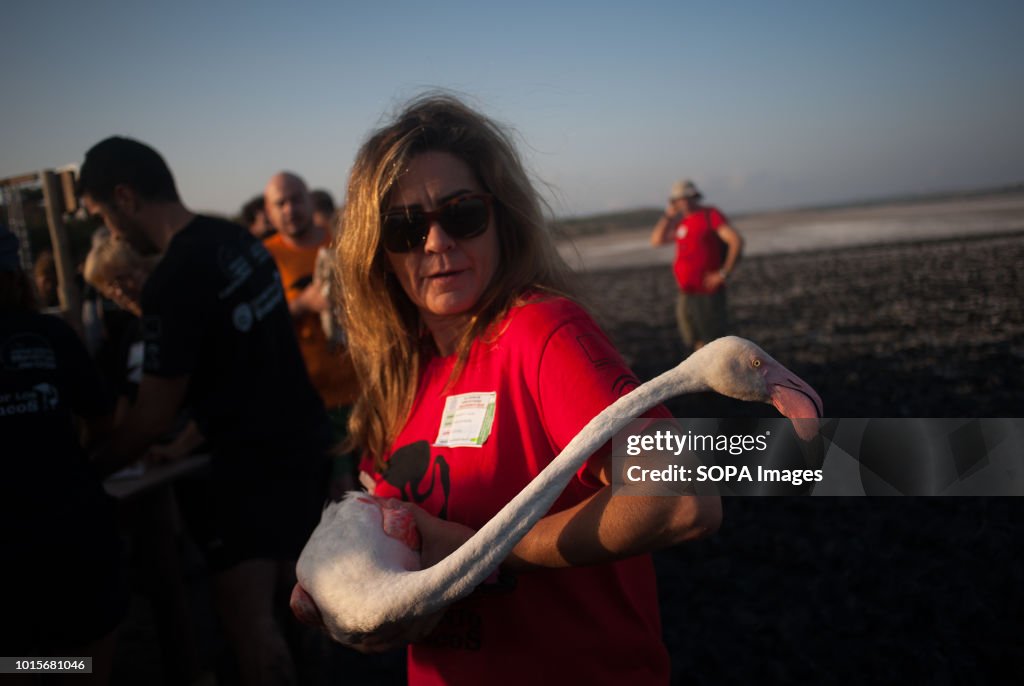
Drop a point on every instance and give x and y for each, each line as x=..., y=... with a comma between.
x=242, y=510
x=702, y=316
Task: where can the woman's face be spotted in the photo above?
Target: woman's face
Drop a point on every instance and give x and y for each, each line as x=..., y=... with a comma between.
x=445, y=276
x=125, y=289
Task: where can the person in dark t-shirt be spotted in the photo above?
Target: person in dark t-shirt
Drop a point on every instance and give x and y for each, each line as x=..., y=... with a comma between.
x=64, y=591
x=218, y=338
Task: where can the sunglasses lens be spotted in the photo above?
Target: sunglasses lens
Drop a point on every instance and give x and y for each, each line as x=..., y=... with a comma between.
x=462, y=217
x=403, y=232
x=465, y=218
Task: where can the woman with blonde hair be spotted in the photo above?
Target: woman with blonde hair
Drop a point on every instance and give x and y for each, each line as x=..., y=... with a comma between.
x=118, y=272
x=477, y=368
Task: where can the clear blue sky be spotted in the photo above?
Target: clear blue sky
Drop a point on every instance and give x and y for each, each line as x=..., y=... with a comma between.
x=765, y=104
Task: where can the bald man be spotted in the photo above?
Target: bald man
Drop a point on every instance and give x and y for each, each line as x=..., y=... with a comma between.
x=294, y=248
x=289, y=210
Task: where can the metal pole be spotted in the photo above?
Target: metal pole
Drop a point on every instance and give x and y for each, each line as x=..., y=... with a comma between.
x=67, y=286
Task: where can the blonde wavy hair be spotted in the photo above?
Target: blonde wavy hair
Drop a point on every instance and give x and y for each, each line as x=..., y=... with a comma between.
x=384, y=330
x=109, y=260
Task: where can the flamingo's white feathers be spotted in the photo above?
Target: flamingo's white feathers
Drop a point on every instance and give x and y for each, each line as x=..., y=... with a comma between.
x=355, y=577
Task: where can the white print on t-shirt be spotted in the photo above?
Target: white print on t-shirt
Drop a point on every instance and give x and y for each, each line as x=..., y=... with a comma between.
x=246, y=314
x=466, y=420
x=47, y=395
x=269, y=298
x=681, y=232
x=136, y=356
x=42, y=398
x=242, y=317
x=27, y=351
x=236, y=268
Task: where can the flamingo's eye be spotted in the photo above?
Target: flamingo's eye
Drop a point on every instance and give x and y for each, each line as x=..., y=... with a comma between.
x=755, y=363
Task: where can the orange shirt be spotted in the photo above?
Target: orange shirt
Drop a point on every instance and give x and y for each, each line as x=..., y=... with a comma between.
x=330, y=369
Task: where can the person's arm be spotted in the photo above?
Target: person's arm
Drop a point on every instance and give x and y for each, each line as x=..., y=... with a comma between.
x=607, y=527
x=311, y=299
x=734, y=242
x=662, y=233
x=601, y=528
x=152, y=416
x=183, y=445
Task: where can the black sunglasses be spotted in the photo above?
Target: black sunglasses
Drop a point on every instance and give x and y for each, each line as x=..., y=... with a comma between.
x=464, y=216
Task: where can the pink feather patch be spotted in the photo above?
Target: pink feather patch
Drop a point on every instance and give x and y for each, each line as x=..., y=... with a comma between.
x=399, y=523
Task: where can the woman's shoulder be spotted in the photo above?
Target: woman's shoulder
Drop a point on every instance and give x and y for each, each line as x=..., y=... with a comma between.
x=542, y=313
x=541, y=306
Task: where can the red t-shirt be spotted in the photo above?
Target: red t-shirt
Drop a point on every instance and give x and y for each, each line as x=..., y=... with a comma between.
x=551, y=369
x=698, y=249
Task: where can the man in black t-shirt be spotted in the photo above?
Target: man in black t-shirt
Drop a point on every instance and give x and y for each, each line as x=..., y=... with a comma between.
x=218, y=338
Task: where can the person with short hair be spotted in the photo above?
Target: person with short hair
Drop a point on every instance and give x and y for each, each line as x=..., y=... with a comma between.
x=254, y=216
x=323, y=210
x=477, y=369
x=45, y=272
x=701, y=271
x=218, y=336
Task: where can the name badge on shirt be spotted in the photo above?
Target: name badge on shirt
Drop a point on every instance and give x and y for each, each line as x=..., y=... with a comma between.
x=466, y=420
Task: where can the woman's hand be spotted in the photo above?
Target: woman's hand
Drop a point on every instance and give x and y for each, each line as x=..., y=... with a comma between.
x=183, y=445
x=439, y=538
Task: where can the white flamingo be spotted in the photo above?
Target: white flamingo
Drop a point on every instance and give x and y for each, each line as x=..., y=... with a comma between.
x=360, y=570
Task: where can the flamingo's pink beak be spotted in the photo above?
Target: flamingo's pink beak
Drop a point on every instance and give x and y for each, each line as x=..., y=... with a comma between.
x=304, y=608
x=796, y=400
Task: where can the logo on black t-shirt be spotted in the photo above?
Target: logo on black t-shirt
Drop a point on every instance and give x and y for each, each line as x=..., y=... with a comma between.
x=42, y=397
x=28, y=351
x=47, y=396
x=242, y=317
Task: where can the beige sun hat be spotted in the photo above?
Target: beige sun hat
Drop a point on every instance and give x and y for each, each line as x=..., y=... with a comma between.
x=684, y=188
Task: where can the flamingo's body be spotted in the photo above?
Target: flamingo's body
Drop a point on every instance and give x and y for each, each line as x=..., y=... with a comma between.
x=360, y=571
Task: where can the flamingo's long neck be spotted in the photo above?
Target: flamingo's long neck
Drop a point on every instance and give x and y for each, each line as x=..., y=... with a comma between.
x=463, y=570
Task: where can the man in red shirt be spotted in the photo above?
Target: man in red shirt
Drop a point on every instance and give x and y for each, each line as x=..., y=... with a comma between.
x=700, y=269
